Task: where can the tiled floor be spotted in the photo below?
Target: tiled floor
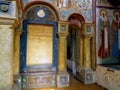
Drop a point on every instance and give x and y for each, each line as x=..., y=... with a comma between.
x=75, y=85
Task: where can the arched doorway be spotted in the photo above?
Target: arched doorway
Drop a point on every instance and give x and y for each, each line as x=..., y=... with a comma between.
x=75, y=43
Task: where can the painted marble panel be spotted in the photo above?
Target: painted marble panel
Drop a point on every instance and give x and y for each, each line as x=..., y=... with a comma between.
x=107, y=35
x=5, y=56
x=67, y=7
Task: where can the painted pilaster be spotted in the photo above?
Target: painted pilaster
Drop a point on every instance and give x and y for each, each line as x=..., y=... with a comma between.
x=7, y=27
x=81, y=51
x=86, y=72
x=62, y=52
x=17, y=52
x=87, y=57
x=62, y=45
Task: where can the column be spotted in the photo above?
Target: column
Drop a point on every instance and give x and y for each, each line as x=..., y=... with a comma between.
x=87, y=57
x=17, y=51
x=62, y=55
x=62, y=48
x=81, y=62
x=86, y=73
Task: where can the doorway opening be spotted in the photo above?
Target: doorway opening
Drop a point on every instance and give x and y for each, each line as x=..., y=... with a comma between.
x=73, y=48
x=74, y=54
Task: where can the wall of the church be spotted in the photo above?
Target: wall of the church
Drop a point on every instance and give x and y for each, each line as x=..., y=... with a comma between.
x=68, y=7
x=107, y=33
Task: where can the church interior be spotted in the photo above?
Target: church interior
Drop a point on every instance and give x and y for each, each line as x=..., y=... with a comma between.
x=60, y=44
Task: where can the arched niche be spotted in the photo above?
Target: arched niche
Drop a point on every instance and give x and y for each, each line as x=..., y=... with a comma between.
x=32, y=9
x=39, y=22
x=77, y=20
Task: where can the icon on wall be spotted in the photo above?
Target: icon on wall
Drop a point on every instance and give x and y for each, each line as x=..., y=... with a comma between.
x=41, y=13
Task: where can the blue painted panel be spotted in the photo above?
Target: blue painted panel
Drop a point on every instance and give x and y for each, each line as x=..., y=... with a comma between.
x=23, y=44
x=115, y=52
x=55, y=47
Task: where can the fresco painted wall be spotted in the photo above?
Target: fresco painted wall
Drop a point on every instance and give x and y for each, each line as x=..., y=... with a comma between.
x=107, y=33
x=67, y=7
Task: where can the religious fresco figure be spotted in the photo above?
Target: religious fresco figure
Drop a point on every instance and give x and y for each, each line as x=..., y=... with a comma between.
x=103, y=27
x=62, y=3
x=69, y=3
x=83, y=4
x=115, y=34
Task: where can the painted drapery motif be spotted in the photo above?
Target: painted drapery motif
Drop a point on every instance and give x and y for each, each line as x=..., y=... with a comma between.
x=103, y=26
